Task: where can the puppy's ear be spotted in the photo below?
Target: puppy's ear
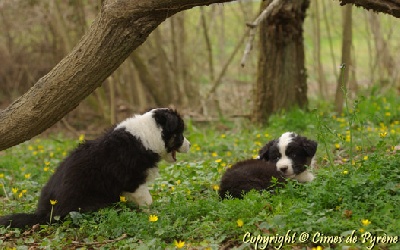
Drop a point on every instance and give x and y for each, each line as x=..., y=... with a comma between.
x=168, y=119
x=310, y=146
x=264, y=151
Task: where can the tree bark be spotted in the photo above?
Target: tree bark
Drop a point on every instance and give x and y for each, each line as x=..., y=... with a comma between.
x=391, y=7
x=281, y=77
x=120, y=27
x=321, y=80
x=384, y=58
x=347, y=38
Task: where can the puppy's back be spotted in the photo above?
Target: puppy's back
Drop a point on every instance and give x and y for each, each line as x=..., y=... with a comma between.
x=247, y=175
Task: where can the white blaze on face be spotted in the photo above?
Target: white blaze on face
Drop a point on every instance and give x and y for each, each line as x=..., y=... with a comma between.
x=145, y=128
x=285, y=164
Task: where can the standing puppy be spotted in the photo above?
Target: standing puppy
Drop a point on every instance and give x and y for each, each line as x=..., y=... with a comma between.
x=121, y=162
x=286, y=157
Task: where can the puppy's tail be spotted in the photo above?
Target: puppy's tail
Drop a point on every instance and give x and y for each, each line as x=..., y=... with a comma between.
x=22, y=220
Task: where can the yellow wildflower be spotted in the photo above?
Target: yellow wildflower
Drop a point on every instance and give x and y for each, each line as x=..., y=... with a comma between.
x=1, y=176
x=179, y=244
x=345, y=172
x=361, y=230
x=82, y=138
x=122, y=198
x=14, y=190
x=153, y=218
x=216, y=187
x=223, y=136
x=27, y=176
x=383, y=134
x=365, y=157
x=240, y=223
x=365, y=222
x=337, y=145
x=218, y=160
x=317, y=248
x=214, y=154
x=53, y=202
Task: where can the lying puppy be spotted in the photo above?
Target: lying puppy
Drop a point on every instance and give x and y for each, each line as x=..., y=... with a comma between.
x=121, y=162
x=286, y=157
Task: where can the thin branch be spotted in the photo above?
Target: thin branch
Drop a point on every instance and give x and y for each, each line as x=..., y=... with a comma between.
x=253, y=27
x=217, y=81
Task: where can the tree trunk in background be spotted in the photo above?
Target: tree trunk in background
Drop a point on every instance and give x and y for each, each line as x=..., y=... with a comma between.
x=384, y=59
x=317, y=50
x=346, y=58
x=281, y=77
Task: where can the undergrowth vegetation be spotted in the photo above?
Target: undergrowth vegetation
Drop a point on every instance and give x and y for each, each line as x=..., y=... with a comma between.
x=354, y=200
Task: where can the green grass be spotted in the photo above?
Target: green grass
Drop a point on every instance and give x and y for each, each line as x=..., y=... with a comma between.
x=354, y=193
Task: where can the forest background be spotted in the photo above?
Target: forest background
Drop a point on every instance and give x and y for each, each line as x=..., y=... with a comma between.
x=192, y=60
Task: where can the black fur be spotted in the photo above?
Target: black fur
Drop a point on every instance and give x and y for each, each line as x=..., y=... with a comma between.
x=95, y=174
x=247, y=175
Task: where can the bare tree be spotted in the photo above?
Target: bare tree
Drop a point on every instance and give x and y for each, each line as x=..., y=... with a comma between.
x=384, y=58
x=281, y=77
x=317, y=49
x=346, y=58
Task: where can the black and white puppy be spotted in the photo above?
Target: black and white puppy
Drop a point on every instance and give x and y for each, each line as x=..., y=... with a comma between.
x=286, y=157
x=121, y=162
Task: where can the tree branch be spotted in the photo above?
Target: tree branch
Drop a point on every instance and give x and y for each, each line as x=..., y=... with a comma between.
x=391, y=7
x=275, y=4
x=120, y=27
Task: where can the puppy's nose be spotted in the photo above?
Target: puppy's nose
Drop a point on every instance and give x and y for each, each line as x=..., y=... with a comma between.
x=283, y=169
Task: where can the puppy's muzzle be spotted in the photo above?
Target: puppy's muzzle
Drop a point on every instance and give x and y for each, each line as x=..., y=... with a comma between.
x=185, y=146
